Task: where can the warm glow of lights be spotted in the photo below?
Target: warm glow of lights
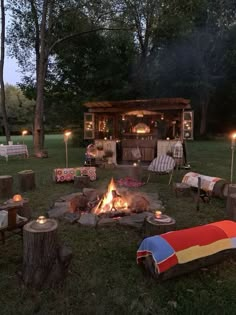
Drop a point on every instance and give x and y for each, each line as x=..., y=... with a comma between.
x=24, y=132
x=234, y=135
x=162, y=116
x=67, y=133
x=41, y=219
x=17, y=198
x=134, y=164
x=111, y=201
x=158, y=214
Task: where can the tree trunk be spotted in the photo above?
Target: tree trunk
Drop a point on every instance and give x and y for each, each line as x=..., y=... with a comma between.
x=45, y=262
x=203, y=123
x=42, y=62
x=2, y=58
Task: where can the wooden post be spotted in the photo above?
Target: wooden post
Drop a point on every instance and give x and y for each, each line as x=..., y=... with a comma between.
x=231, y=206
x=6, y=183
x=45, y=262
x=198, y=193
x=26, y=180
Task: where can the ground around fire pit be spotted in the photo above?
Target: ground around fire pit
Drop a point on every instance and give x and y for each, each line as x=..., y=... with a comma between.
x=74, y=208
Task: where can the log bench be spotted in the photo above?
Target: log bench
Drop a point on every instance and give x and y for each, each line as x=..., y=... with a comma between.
x=179, y=252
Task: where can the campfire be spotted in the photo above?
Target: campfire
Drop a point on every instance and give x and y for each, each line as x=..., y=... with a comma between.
x=113, y=203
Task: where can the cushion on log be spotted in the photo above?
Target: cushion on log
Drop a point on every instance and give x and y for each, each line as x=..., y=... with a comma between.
x=68, y=174
x=177, y=252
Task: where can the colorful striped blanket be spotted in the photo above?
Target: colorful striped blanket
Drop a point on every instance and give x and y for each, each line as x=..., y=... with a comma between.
x=179, y=247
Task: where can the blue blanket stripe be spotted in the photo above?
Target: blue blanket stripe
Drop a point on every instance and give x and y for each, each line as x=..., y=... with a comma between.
x=160, y=248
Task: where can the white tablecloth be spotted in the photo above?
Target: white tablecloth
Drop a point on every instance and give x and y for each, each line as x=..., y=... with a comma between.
x=15, y=149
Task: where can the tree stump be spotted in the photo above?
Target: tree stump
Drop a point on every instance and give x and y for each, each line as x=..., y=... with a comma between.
x=45, y=262
x=155, y=227
x=6, y=183
x=81, y=181
x=231, y=206
x=26, y=180
x=182, y=190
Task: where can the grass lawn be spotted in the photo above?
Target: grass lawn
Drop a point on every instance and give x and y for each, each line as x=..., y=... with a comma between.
x=104, y=277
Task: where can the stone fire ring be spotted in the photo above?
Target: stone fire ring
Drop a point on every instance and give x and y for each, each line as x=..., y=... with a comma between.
x=65, y=208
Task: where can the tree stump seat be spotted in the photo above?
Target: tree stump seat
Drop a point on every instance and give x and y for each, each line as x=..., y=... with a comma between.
x=26, y=180
x=6, y=184
x=81, y=181
x=45, y=261
x=182, y=190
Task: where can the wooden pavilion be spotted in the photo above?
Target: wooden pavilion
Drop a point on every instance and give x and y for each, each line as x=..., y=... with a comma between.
x=151, y=125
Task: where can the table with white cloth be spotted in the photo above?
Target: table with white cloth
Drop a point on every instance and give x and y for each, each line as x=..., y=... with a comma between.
x=14, y=149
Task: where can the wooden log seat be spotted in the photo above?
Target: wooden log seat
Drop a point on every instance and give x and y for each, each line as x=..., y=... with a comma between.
x=26, y=180
x=213, y=186
x=6, y=184
x=182, y=189
x=68, y=174
x=179, y=252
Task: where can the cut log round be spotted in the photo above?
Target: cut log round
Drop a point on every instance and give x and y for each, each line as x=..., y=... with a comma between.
x=6, y=183
x=26, y=180
x=45, y=262
x=154, y=227
x=231, y=207
x=182, y=190
x=81, y=181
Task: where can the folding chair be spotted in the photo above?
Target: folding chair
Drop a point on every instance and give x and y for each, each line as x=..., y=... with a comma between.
x=163, y=164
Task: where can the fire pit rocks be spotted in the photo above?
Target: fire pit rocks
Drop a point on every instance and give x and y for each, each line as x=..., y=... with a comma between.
x=117, y=206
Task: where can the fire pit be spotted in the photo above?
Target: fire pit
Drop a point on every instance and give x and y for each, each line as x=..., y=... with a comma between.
x=115, y=206
x=115, y=203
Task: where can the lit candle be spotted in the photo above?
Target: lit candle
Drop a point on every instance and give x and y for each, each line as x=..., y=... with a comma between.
x=158, y=214
x=105, y=138
x=168, y=138
x=41, y=219
x=17, y=198
x=134, y=164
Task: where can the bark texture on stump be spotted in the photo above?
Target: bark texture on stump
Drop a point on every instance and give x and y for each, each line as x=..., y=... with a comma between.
x=45, y=261
x=26, y=180
x=6, y=183
x=231, y=207
x=182, y=190
x=154, y=227
x=81, y=181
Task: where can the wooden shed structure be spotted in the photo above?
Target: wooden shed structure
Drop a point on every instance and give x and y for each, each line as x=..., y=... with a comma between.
x=151, y=125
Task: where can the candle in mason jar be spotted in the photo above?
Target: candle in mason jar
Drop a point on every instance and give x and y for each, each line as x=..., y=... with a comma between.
x=158, y=214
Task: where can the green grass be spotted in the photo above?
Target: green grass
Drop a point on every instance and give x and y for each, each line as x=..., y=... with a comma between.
x=104, y=277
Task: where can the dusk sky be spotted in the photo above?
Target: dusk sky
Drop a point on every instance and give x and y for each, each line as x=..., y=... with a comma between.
x=11, y=72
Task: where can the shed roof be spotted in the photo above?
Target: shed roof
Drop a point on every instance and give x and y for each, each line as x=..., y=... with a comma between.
x=148, y=104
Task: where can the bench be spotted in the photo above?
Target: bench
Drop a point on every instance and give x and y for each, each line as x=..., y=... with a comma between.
x=11, y=222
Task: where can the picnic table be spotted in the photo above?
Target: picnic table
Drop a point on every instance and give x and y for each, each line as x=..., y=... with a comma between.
x=13, y=149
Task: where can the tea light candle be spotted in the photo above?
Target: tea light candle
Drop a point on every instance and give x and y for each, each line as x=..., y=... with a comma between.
x=41, y=219
x=158, y=214
x=17, y=198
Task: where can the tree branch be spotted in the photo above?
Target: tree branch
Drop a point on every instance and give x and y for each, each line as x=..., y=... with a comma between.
x=60, y=40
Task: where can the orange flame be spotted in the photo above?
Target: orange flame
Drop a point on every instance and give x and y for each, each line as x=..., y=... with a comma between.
x=109, y=201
